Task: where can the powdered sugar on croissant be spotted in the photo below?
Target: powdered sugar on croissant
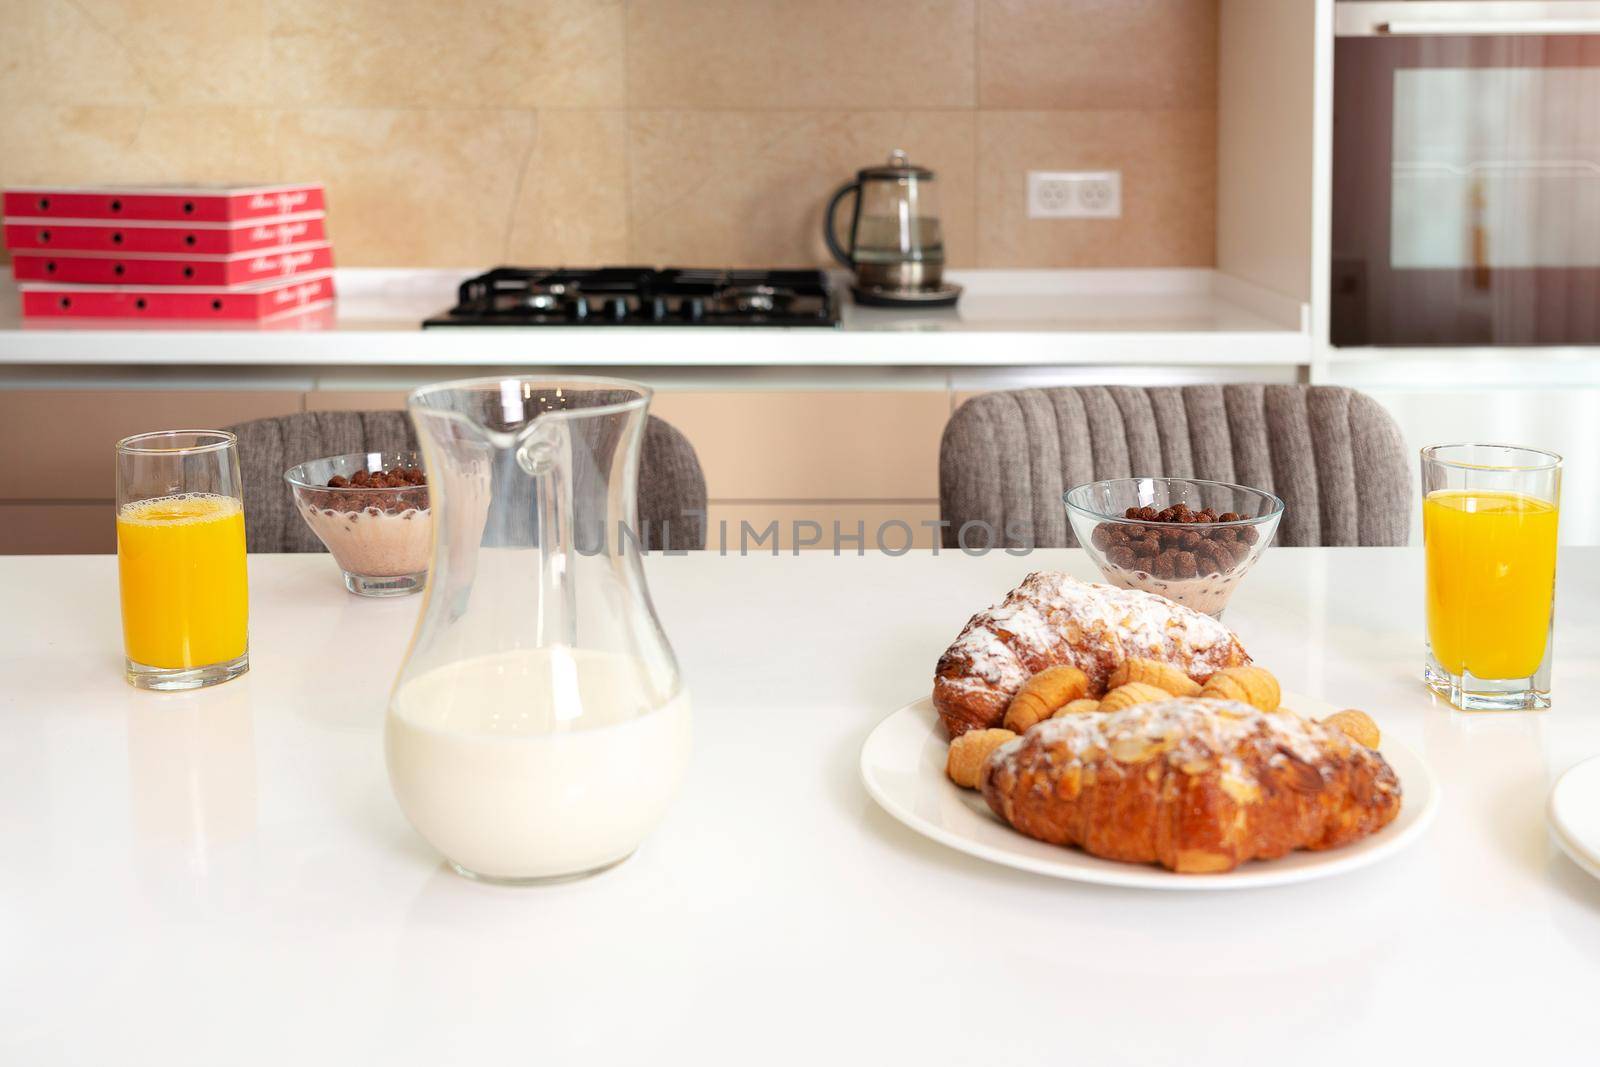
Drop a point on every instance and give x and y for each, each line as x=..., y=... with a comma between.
x=1052, y=619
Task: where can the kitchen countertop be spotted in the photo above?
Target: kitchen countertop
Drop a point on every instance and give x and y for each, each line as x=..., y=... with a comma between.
x=223, y=876
x=1006, y=318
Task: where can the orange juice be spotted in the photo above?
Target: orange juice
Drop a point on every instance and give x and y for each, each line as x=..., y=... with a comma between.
x=183, y=580
x=1491, y=580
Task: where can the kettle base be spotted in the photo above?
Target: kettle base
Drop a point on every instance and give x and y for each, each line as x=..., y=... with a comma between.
x=938, y=296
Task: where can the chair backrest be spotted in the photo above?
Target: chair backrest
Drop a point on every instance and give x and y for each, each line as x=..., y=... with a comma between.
x=1334, y=455
x=672, y=487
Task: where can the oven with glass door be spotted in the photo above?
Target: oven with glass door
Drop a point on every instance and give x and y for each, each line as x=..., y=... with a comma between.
x=1466, y=173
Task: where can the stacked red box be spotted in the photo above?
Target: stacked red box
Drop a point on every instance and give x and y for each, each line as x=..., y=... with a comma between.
x=190, y=252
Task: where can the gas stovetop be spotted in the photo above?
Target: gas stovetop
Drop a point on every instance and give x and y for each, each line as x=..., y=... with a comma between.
x=642, y=296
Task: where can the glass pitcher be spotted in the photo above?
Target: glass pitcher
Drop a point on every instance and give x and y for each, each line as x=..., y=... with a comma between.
x=538, y=728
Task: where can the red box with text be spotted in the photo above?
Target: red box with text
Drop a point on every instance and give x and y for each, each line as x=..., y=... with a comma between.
x=169, y=238
x=243, y=268
x=262, y=301
x=196, y=203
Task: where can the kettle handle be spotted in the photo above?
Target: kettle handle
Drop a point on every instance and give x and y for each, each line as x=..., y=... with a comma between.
x=828, y=235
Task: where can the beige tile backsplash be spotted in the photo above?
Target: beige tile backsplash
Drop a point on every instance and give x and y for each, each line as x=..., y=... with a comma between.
x=110, y=53
x=413, y=186
x=1094, y=55
x=710, y=55
x=573, y=203
x=428, y=53
x=586, y=131
x=1168, y=165
x=749, y=187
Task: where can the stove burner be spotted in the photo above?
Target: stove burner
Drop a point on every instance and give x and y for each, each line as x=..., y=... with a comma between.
x=542, y=301
x=640, y=296
x=754, y=298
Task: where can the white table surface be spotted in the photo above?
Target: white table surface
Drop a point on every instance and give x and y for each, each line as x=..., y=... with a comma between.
x=223, y=877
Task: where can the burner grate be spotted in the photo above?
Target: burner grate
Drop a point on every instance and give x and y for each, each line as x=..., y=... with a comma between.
x=642, y=296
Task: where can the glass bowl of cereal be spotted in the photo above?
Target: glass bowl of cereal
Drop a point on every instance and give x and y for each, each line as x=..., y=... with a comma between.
x=371, y=511
x=1187, y=539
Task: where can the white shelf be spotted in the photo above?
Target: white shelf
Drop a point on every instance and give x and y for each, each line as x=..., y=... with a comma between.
x=1446, y=369
x=1006, y=318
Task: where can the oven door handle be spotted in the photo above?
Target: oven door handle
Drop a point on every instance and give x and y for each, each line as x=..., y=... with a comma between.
x=1488, y=27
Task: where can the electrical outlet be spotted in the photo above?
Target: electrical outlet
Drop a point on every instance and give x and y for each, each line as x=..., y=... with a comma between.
x=1074, y=194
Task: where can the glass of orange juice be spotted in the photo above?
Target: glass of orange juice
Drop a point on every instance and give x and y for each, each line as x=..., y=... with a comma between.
x=181, y=559
x=1489, y=517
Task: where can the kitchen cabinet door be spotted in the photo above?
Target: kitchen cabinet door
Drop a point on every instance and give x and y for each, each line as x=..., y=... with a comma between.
x=813, y=445
x=57, y=529
x=63, y=441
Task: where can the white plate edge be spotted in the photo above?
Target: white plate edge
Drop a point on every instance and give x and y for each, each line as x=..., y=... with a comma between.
x=1139, y=876
x=1581, y=857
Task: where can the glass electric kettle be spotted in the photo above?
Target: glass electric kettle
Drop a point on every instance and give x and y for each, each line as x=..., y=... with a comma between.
x=896, y=246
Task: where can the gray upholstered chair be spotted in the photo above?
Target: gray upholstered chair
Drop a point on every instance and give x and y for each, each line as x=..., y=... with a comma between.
x=1333, y=455
x=671, y=484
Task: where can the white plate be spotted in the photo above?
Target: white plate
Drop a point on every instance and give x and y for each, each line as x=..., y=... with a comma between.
x=902, y=765
x=1575, y=814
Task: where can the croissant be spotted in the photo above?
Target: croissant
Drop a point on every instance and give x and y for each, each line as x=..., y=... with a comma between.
x=1194, y=784
x=1355, y=724
x=1255, y=686
x=1163, y=676
x=969, y=752
x=1053, y=619
x=1131, y=693
x=1042, y=695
